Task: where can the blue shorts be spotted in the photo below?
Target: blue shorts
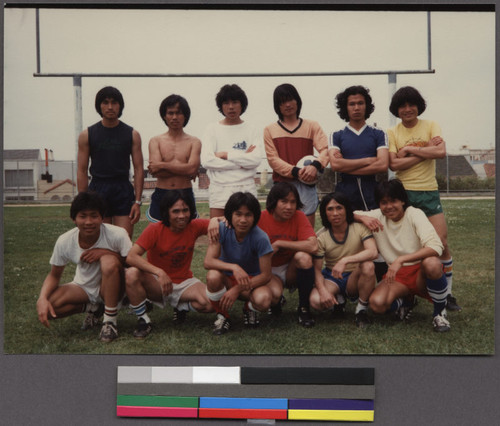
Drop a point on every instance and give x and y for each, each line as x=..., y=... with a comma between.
x=118, y=194
x=342, y=283
x=308, y=195
x=153, y=212
x=360, y=192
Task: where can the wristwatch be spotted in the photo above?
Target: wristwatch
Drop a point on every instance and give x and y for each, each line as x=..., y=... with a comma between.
x=138, y=202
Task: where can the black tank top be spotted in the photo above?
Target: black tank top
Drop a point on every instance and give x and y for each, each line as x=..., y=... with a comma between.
x=110, y=149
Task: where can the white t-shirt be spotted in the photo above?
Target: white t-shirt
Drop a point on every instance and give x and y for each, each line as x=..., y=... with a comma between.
x=68, y=250
x=240, y=167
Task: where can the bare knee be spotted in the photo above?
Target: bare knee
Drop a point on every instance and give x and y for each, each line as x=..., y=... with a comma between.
x=432, y=267
x=110, y=265
x=377, y=303
x=303, y=260
x=215, y=280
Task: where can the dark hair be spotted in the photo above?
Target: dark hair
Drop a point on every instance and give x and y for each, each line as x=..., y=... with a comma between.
x=340, y=198
x=108, y=92
x=284, y=93
x=172, y=101
x=87, y=200
x=231, y=92
x=341, y=101
x=393, y=189
x=239, y=199
x=169, y=199
x=279, y=191
x=405, y=95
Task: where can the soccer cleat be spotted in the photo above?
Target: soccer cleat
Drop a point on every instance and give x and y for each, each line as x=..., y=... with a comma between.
x=451, y=304
x=404, y=312
x=179, y=316
x=250, y=318
x=338, y=311
x=143, y=329
x=441, y=323
x=221, y=324
x=92, y=318
x=278, y=308
x=108, y=332
x=305, y=317
x=362, y=319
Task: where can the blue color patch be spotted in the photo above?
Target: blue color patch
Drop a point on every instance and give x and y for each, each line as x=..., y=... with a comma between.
x=245, y=403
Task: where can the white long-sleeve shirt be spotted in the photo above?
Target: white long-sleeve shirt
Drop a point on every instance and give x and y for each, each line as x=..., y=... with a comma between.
x=240, y=167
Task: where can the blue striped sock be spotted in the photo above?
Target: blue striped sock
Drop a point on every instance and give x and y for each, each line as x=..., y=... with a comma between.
x=438, y=289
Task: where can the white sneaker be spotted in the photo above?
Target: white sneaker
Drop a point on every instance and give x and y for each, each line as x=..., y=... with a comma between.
x=441, y=323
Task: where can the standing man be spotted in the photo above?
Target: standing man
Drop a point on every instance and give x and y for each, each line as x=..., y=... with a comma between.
x=98, y=250
x=231, y=150
x=414, y=145
x=290, y=139
x=294, y=241
x=358, y=151
x=174, y=156
x=108, y=145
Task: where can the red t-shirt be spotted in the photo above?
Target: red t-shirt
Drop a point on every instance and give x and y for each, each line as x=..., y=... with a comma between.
x=172, y=251
x=298, y=228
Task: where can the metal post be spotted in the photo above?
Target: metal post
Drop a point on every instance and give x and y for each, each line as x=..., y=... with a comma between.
x=429, y=45
x=392, y=77
x=77, y=84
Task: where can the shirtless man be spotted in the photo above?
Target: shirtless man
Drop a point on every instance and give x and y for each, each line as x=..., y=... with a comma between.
x=174, y=156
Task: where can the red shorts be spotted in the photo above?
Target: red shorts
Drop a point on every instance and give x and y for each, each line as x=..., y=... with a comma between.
x=407, y=275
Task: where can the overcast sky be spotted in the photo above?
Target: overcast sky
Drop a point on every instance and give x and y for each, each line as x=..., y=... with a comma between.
x=39, y=111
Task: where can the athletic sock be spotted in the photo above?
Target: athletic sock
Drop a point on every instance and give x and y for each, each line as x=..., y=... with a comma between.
x=396, y=304
x=110, y=314
x=305, y=284
x=215, y=299
x=437, y=290
x=361, y=306
x=140, y=311
x=448, y=272
x=249, y=306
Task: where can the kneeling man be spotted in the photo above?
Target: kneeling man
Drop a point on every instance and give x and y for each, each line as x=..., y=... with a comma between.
x=165, y=276
x=98, y=249
x=348, y=249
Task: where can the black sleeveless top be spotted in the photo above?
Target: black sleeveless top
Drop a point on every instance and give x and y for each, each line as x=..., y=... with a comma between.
x=110, y=150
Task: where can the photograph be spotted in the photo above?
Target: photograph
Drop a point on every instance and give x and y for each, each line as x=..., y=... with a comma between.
x=306, y=185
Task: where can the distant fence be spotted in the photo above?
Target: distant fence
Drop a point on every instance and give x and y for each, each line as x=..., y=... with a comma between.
x=31, y=182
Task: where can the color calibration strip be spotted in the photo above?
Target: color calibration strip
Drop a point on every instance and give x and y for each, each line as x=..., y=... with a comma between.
x=283, y=393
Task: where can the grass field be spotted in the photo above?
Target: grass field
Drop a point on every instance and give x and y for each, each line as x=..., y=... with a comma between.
x=30, y=234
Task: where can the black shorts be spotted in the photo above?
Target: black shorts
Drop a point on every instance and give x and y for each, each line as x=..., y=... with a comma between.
x=117, y=194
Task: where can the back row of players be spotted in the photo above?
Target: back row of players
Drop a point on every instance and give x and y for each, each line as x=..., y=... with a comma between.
x=360, y=220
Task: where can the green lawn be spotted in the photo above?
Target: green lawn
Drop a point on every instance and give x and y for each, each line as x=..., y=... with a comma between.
x=30, y=234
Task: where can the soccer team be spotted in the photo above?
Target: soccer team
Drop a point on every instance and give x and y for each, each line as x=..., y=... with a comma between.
x=382, y=242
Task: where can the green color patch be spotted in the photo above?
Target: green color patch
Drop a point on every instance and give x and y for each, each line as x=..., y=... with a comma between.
x=157, y=401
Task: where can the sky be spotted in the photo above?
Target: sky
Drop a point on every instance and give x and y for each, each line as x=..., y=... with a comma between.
x=39, y=112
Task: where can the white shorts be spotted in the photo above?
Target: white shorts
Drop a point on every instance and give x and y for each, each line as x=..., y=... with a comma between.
x=91, y=290
x=173, y=298
x=218, y=194
x=280, y=272
x=309, y=197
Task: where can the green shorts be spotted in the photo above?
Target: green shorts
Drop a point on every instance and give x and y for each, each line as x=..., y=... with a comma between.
x=428, y=201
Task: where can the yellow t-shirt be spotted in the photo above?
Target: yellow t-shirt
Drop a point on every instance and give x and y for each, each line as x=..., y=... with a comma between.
x=422, y=176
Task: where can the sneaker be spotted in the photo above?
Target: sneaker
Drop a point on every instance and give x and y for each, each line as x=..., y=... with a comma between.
x=362, y=319
x=338, y=311
x=441, y=323
x=108, y=332
x=405, y=310
x=451, y=304
x=92, y=318
x=143, y=329
x=305, y=317
x=250, y=318
x=179, y=316
x=221, y=324
x=278, y=308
